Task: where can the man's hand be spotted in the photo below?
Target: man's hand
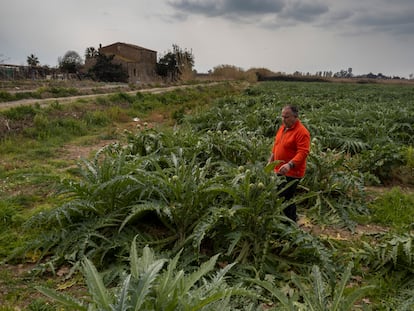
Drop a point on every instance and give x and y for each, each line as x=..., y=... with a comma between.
x=284, y=169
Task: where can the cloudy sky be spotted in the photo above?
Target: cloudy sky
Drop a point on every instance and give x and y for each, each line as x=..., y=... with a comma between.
x=282, y=35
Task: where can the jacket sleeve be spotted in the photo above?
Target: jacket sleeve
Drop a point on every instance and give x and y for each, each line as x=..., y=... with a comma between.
x=303, y=147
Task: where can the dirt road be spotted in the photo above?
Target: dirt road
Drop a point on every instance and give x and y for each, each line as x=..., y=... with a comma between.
x=63, y=100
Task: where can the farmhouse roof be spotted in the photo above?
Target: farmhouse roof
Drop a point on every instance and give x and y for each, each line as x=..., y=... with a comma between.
x=137, y=47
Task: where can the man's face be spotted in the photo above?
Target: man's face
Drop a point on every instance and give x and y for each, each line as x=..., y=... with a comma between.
x=288, y=118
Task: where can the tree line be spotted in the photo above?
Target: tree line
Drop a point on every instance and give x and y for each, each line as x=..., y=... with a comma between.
x=175, y=65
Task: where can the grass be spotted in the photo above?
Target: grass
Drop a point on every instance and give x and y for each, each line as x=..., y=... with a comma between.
x=16, y=285
x=54, y=89
x=394, y=208
x=46, y=147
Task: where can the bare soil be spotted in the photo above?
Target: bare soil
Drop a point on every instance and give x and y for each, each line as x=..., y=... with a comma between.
x=339, y=233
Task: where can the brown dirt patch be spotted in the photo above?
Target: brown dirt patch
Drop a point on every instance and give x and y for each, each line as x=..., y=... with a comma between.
x=340, y=233
x=73, y=152
x=157, y=117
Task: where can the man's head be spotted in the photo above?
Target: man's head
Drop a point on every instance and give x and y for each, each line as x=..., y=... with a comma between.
x=289, y=115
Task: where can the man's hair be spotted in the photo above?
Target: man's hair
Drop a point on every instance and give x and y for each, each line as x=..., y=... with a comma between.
x=294, y=110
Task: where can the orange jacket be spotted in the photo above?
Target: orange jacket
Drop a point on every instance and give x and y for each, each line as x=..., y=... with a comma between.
x=292, y=145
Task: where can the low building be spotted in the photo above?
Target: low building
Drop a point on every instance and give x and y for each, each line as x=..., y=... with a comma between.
x=139, y=62
x=21, y=72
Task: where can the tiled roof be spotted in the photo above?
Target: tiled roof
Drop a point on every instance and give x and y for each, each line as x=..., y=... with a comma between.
x=130, y=45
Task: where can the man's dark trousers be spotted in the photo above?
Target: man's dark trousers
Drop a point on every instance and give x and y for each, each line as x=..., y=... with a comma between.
x=289, y=193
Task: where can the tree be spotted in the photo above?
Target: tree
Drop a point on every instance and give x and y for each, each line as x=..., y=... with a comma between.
x=70, y=62
x=32, y=61
x=91, y=52
x=344, y=73
x=176, y=64
x=105, y=70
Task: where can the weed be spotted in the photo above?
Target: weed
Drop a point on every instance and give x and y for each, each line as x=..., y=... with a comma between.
x=394, y=208
x=97, y=118
x=20, y=113
x=40, y=305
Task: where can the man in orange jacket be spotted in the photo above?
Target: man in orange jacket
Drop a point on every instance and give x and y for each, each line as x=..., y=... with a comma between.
x=291, y=146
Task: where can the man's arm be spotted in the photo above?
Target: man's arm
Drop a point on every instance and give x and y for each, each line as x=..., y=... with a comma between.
x=303, y=147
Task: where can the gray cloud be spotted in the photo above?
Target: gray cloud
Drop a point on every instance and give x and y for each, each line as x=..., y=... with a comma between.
x=371, y=15
x=228, y=7
x=197, y=7
x=269, y=14
x=301, y=10
x=304, y=11
x=391, y=20
x=251, y=7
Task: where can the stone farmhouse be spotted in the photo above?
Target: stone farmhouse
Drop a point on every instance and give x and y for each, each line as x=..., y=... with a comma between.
x=139, y=62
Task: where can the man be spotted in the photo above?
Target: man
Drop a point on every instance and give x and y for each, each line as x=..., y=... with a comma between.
x=291, y=146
